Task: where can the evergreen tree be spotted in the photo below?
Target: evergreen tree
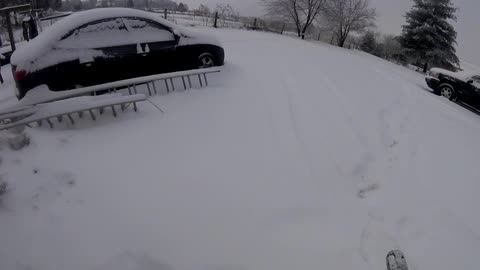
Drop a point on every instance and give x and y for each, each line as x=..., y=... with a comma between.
x=368, y=43
x=182, y=7
x=428, y=35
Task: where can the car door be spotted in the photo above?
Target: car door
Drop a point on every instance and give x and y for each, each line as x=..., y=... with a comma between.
x=475, y=90
x=104, y=50
x=155, y=46
x=468, y=93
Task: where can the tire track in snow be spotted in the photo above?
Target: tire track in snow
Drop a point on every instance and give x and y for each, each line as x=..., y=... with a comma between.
x=295, y=127
x=362, y=170
x=293, y=94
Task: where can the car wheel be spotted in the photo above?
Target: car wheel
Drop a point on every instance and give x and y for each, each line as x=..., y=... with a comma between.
x=205, y=61
x=447, y=91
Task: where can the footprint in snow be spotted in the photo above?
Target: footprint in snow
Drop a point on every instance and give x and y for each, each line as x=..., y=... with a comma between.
x=51, y=186
x=362, y=193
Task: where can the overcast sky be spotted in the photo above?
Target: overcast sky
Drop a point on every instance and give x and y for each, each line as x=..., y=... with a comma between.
x=391, y=19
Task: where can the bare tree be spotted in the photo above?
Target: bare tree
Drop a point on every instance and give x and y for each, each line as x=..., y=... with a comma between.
x=345, y=16
x=204, y=12
x=225, y=11
x=300, y=12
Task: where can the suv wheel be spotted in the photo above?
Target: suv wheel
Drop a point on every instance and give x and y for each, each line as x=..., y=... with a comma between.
x=447, y=91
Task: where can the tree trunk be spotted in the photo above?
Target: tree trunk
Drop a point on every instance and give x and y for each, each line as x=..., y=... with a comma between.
x=304, y=30
x=425, y=67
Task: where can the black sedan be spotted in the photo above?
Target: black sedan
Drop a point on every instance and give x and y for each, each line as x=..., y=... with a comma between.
x=109, y=44
x=461, y=86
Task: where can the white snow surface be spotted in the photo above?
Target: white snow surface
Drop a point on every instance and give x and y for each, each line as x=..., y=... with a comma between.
x=297, y=156
x=46, y=50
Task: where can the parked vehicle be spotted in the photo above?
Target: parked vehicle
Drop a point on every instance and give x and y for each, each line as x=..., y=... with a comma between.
x=109, y=44
x=461, y=86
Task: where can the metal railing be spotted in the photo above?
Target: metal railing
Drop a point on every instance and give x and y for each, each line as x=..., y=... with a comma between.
x=46, y=112
x=33, y=98
x=42, y=105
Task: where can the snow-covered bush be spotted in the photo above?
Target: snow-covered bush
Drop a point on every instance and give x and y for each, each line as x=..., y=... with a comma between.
x=15, y=138
x=18, y=141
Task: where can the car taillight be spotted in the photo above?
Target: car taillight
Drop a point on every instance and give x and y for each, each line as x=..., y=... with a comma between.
x=19, y=75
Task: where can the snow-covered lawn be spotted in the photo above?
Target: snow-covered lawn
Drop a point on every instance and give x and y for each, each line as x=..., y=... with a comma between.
x=298, y=156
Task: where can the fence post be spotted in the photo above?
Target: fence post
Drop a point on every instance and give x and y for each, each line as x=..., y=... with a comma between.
x=16, y=19
x=283, y=29
x=255, y=24
x=10, y=31
x=165, y=14
x=216, y=19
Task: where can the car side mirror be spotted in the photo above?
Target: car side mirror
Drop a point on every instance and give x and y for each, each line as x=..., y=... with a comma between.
x=470, y=81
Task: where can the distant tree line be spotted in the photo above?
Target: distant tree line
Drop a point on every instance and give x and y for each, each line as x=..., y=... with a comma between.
x=74, y=5
x=41, y=4
x=8, y=3
x=427, y=40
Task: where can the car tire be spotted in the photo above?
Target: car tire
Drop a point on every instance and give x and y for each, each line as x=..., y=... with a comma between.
x=206, y=60
x=447, y=91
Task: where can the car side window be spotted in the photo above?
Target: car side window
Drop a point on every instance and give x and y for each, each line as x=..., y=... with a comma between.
x=98, y=34
x=145, y=31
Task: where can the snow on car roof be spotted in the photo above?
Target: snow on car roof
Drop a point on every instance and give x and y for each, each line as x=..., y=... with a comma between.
x=47, y=38
x=461, y=75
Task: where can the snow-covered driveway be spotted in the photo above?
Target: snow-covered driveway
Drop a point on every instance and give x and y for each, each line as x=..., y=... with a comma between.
x=298, y=156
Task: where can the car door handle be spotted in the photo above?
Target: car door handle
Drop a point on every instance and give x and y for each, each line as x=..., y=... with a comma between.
x=143, y=49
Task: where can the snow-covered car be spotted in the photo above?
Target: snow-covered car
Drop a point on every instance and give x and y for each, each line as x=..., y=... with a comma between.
x=109, y=44
x=6, y=51
x=462, y=86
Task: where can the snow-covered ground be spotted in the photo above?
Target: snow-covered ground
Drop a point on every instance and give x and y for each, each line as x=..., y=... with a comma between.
x=298, y=156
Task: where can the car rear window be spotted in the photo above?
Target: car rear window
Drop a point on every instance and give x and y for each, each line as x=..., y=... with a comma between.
x=98, y=34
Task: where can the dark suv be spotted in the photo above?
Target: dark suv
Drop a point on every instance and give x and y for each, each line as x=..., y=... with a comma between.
x=464, y=87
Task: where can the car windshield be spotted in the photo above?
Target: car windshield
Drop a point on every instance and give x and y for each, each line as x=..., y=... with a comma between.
x=239, y=134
